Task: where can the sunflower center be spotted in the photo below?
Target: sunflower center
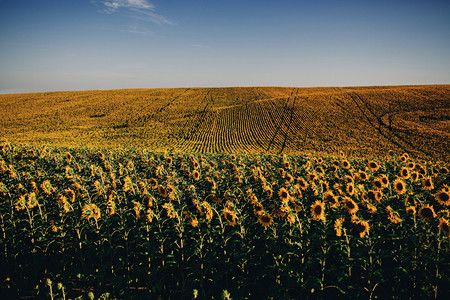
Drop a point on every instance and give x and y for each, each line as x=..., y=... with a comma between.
x=427, y=213
x=444, y=197
x=318, y=210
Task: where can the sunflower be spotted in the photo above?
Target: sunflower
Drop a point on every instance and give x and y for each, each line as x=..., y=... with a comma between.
x=421, y=169
x=208, y=210
x=71, y=194
x=265, y=220
x=331, y=199
x=32, y=201
x=289, y=178
x=399, y=186
x=362, y=176
x=370, y=208
x=350, y=205
x=415, y=176
x=411, y=210
x=196, y=175
x=392, y=216
x=302, y=183
x=384, y=180
x=312, y=177
x=338, y=226
x=373, y=166
x=350, y=189
x=230, y=216
x=284, y=195
x=404, y=157
x=428, y=183
x=111, y=205
x=269, y=191
x=137, y=207
x=153, y=183
x=362, y=227
x=47, y=187
x=374, y=196
x=411, y=165
x=171, y=213
x=443, y=197
x=377, y=183
x=348, y=179
x=318, y=210
x=162, y=191
x=258, y=208
x=444, y=227
x=426, y=212
x=404, y=173
x=345, y=164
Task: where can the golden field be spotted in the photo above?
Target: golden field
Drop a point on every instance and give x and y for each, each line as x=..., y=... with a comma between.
x=358, y=121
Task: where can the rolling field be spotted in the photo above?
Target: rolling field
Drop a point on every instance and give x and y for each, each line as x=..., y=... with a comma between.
x=359, y=121
x=226, y=193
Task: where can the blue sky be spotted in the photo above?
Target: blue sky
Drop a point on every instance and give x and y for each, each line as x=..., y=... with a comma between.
x=54, y=45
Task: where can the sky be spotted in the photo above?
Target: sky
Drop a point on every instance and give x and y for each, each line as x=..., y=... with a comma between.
x=68, y=45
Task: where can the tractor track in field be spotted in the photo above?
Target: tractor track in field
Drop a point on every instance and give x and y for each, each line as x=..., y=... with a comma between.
x=376, y=122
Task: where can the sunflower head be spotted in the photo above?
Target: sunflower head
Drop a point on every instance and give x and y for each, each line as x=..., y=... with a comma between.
x=377, y=183
x=411, y=210
x=318, y=210
x=350, y=205
x=331, y=199
x=426, y=212
x=362, y=175
x=399, y=186
x=196, y=175
x=443, y=197
x=444, y=227
x=410, y=165
x=284, y=195
x=265, y=220
x=373, y=166
x=338, y=226
x=345, y=164
x=362, y=227
x=404, y=173
x=427, y=183
x=230, y=216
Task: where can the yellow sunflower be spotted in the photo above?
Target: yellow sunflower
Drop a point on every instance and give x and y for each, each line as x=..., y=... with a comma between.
x=399, y=186
x=351, y=189
x=230, y=216
x=426, y=212
x=362, y=227
x=411, y=210
x=345, y=164
x=284, y=195
x=265, y=220
x=350, y=205
x=318, y=210
x=338, y=226
x=373, y=166
x=404, y=173
x=443, y=197
x=444, y=226
x=427, y=183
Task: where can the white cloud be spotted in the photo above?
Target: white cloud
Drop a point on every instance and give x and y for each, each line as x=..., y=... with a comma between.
x=139, y=10
x=139, y=4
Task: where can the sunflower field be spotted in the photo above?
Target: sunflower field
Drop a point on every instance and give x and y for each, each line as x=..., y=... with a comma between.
x=84, y=223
